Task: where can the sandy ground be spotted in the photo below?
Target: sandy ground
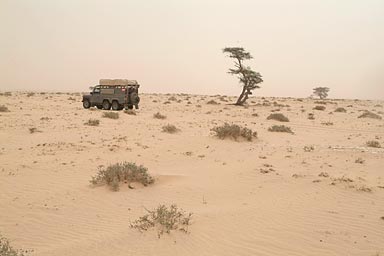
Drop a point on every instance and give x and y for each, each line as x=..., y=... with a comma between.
x=263, y=197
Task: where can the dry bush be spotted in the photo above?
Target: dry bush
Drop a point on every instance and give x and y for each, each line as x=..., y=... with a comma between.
x=92, y=122
x=30, y=94
x=311, y=116
x=359, y=160
x=212, y=102
x=255, y=114
x=321, y=102
x=167, y=102
x=125, y=172
x=373, y=144
x=7, y=250
x=278, y=117
x=3, y=108
x=165, y=219
x=321, y=108
x=309, y=148
x=130, y=112
x=173, y=98
x=170, y=128
x=7, y=94
x=159, y=116
x=280, y=128
x=111, y=115
x=327, y=123
x=340, y=110
x=233, y=131
x=368, y=114
x=33, y=130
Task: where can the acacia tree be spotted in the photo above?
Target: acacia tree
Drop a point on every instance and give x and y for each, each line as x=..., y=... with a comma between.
x=248, y=78
x=321, y=92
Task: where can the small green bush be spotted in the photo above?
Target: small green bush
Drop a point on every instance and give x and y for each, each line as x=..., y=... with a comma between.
x=280, y=128
x=111, y=115
x=92, y=122
x=165, y=219
x=170, y=128
x=159, y=116
x=278, y=117
x=114, y=174
x=233, y=131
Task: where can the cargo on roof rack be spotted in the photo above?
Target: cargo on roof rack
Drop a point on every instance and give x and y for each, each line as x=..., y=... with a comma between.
x=117, y=82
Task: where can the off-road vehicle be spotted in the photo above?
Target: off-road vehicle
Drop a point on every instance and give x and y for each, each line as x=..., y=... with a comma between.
x=115, y=93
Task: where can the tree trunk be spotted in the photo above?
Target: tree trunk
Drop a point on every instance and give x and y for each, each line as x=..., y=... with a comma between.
x=240, y=100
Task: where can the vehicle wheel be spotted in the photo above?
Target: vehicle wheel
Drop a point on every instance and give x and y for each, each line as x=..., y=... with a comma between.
x=134, y=98
x=99, y=106
x=130, y=107
x=86, y=104
x=115, y=105
x=106, y=105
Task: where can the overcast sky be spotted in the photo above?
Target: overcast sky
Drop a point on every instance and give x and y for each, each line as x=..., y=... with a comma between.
x=176, y=45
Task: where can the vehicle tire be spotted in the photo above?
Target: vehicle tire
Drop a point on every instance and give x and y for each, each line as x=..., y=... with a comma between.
x=86, y=104
x=134, y=98
x=130, y=107
x=115, y=105
x=106, y=105
x=99, y=106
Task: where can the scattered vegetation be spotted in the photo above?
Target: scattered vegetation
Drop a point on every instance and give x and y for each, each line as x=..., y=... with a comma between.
x=3, y=108
x=165, y=219
x=212, y=102
x=92, y=122
x=234, y=132
x=340, y=110
x=173, y=98
x=311, y=116
x=359, y=160
x=30, y=94
x=159, y=116
x=321, y=108
x=278, y=117
x=373, y=144
x=7, y=250
x=280, y=128
x=309, y=148
x=130, y=112
x=125, y=172
x=321, y=92
x=170, y=128
x=111, y=115
x=33, y=130
x=327, y=123
x=368, y=114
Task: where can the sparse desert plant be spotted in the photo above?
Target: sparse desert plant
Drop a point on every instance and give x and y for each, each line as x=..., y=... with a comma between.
x=321, y=92
x=111, y=115
x=167, y=102
x=368, y=114
x=280, y=128
x=359, y=160
x=7, y=94
x=165, y=219
x=173, y=98
x=3, y=108
x=255, y=114
x=130, y=112
x=159, y=116
x=30, y=94
x=321, y=108
x=7, y=250
x=92, y=122
x=309, y=148
x=233, y=131
x=341, y=110
x=278, y=117
x=373, y=144
x=125, y=172
x=170, y=128
x=212, y=102
x=327, y=123
x=33, y=130
x=311, y=116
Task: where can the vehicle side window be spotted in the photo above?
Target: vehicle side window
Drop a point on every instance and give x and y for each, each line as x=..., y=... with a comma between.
x=96, y=90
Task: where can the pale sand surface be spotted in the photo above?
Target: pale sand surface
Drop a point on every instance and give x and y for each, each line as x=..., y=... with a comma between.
x=47, y=203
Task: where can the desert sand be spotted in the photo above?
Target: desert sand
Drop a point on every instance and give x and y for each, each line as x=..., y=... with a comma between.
x=269, y=196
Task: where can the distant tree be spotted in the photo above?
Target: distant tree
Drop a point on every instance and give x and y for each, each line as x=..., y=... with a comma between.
x=248, y=78
x=321, y=92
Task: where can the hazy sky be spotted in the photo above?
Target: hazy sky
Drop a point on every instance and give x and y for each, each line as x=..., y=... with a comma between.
x=176, y=45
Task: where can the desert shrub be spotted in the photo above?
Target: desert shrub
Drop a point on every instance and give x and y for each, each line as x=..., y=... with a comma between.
x=233, y=131
x=309, y=148
x=341, y=110
x=30, y=94
x=368, y=114
x=111, y=115
x=7, y=94
x=321, y=108
x=373, y=144
x=165, y=219
x=255, y=114
x=167, y=102
x=278, y=117
x=323, y=102
x=173, y=98
x=7, y=250
x=130, y=112
x=280, y=128
x=92, y=122
x=311, y=116
x=359, y=160
x=3, y=108
x=159, y=116
x=327, y=123
x=170, y=128
x=212, y=102
x=33, y=130
x=126, y=172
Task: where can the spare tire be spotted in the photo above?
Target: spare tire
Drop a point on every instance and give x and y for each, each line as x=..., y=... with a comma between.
x=134, y=98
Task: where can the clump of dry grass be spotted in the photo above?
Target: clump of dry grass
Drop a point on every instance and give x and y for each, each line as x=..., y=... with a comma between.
x=309, y=148
x=130, y=112
x=173, y=98
x=33, y=130
x=278, y=117
x=373, y=144
x=321, y=108
x=7, y=94
x=311, y=116
x=170, y=128
x=7, y=250
x=340, y=110
x=165, y=219
x=233, y=131
x=111, y=115
x=3, y=108
x=30, y=94
x=280, y=128
x=212, y=102
x=125, y=172
x=159, y=116
x=92, y=122
x=368, y=114
x=359, y=160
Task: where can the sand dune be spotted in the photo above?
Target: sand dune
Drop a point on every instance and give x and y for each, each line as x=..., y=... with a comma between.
x=263, y=197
